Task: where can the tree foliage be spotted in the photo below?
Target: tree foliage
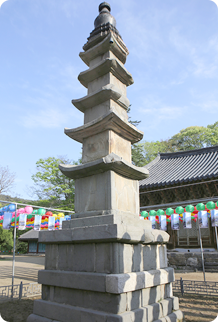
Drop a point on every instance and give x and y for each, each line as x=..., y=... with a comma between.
x=193, y=137
x=51, y=186
x=6, y=239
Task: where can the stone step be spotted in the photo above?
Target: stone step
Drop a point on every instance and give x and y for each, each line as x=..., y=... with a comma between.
x=211, y=264
x=212, y=269
x=65, y=313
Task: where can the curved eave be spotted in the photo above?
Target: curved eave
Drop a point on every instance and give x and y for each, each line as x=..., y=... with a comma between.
x=108, y=65
x=111, y=162
x=180, y=168
x=103, y=95
x=108, y=44
x=109, y=121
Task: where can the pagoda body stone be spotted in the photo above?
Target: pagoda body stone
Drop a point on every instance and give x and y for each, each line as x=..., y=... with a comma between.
x=105, y=265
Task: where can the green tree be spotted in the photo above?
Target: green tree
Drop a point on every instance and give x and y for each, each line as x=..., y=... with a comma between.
x=138, y=155
x=212, y=134
x=51, y=186
x=6, y=239
x=145, y=152
x=193, y=137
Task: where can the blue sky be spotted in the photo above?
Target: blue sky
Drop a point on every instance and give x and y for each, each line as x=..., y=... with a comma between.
x=173, y=58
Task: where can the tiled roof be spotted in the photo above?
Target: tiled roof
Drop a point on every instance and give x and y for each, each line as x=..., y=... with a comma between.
x=31, y=234
x=181, y=168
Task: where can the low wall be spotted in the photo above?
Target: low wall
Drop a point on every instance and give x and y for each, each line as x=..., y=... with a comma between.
x=192, y=261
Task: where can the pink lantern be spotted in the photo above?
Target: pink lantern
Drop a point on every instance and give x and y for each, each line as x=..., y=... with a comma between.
x=28, y=210
x=21, y=211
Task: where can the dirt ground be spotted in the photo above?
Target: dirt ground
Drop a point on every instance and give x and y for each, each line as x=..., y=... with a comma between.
x=26, y=269
x=16, y=311
x=198, y=308
x=197, y=276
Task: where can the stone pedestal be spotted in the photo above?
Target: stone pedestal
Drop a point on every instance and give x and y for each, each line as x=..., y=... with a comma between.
x=106, y=265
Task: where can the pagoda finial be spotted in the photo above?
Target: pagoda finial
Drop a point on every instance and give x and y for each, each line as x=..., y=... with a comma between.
x=104, y=16
x=104, y=5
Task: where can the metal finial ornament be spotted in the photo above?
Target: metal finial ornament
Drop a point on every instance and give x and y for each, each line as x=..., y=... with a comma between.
x=104, y=24
x=104, y=16
x=104, y=5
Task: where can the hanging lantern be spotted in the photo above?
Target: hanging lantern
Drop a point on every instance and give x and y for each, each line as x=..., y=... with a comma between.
x=189, y=208
x=179, y=210
x=200, y=206
x=152, y=213
x=160, y=212
x=144, y=214
x=41, y=211
x=210, y=205
x=169, y=211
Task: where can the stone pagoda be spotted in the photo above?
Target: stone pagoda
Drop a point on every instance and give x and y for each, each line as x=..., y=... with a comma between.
x=106, y=265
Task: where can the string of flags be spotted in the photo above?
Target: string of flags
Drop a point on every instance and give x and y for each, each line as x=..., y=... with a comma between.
x=186, y=215
x=38, y=219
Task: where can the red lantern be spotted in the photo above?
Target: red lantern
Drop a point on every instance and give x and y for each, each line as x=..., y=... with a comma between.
x=49, y=213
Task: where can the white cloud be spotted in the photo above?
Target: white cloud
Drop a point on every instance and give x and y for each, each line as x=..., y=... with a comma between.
x=201, y=58
x=46, y=118
x=157, y=111
x=164, y=112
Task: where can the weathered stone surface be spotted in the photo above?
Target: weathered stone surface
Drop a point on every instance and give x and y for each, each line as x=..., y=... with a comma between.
x=107, y=92
x=103, y=233
x=92, y=218
x=192, y=261
x=37, y=318
x=108, y=65
x=112, y=258
x=106, y=46
x=103, y=144
x=76, y=280
x=108, y=121
x=105, y=302
x=119, y=283
x=118, y=196
x=111, y=283
x=75, y=314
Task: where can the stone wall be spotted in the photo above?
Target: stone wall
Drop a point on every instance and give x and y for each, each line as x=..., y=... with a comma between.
x=193, y=261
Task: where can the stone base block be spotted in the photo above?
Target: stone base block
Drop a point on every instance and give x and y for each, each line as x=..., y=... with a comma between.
x=125, y=233
x=54, y=312
x=109, y=258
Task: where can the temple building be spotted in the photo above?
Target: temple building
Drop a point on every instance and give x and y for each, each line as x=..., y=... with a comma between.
x=179, y=179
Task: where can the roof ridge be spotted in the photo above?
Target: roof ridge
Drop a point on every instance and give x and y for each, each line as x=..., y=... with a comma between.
x=183, y=153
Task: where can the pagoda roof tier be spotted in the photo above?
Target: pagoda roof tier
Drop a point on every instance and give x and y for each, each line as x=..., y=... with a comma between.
x=107, y=66
x=104, y=94
x=110, y=43
x=111, y=162
x=109, y=121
